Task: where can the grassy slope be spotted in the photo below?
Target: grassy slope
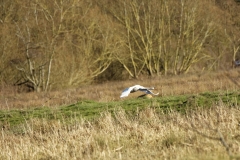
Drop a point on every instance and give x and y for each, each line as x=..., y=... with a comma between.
x=90, y=109
x=126, y=129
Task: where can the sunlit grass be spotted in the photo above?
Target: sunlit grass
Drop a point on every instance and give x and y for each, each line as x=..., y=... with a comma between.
x=147, y=134
x=91, y=109
x=195, y=117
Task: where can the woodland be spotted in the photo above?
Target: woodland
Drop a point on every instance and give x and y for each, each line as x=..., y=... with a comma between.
x=64, y=64
x=51, y=45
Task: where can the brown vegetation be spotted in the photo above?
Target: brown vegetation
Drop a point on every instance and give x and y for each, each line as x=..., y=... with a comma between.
x=201, y=134
x=62, y=44
x=70, y=51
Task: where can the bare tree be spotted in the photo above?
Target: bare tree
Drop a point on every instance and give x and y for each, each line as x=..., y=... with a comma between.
x=193, y=33
x=30, y=72
x=133, y=63
x=87, y=49
x=8, y=12
x=232, y=33
x=139, y=35
x=39, y=32
x=158, y=36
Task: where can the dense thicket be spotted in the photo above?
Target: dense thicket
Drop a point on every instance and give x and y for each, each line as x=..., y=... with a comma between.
x=62, y=43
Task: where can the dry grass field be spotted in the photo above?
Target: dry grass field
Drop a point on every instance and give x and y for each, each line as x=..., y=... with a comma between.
x=110, y=91
x=203, y=133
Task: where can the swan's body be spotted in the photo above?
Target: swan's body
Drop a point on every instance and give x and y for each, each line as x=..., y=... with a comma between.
x=136, y=88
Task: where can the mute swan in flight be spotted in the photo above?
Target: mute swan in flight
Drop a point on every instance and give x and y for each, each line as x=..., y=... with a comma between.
x=136, y=88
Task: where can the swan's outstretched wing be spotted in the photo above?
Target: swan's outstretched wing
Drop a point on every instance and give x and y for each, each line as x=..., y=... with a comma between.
x=126, y=92
x=148, y=91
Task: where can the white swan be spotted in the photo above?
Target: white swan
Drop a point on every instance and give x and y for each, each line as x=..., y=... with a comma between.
x=136, y=88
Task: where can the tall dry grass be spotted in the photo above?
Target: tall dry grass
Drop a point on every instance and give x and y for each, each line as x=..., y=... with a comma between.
x=203, y=134
x=110, y=91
